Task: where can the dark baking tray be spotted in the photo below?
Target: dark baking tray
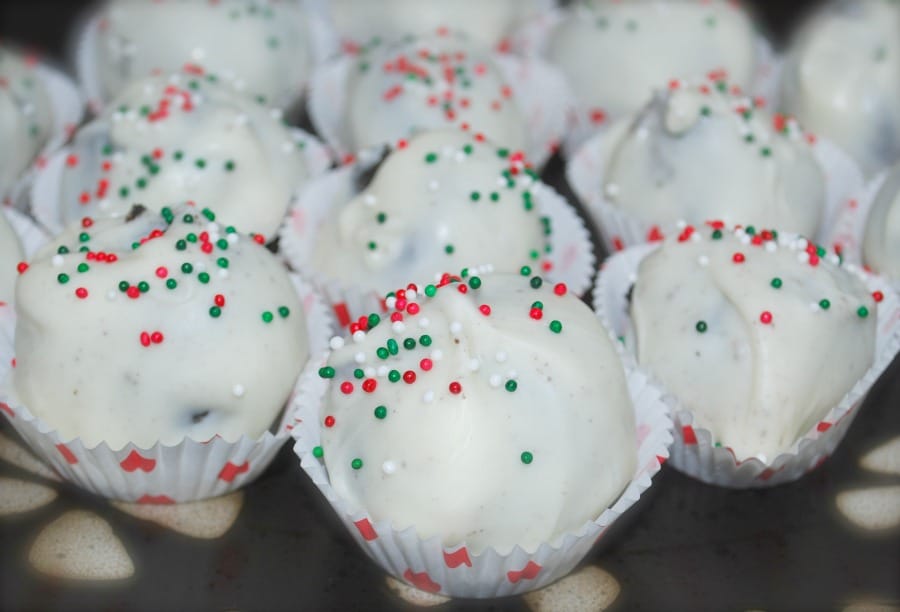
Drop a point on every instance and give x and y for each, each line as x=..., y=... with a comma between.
x=685, y=546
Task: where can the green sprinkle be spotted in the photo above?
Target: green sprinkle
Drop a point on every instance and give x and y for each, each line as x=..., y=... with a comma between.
x=393, y=376
x=208, y=214
x=284, y=312
x=372, y=245
x=392, y=346
x=356, y=463
x=525, y=271
x=229, y=166
x=430, y=290
x=382, y=352
x=63, y=250
x=83, y=267
x=474, y=196
x=776, y=283
x=717, y=234
x=222, y=244
x=474, y=282
x=555, y=326
x=214, y=312
x=84, y=237
x=326, y=372
x=267, y=317
x=203, y=277
x=123, y=286
x=373, y=320
x=381, y=217
x=824, y=304
x=380, y=412
x=430, y=158
x=527, y=457
x=171, y=283
x=539, y=305
x=358, y=373
x=449, y=249
x=536, y=282
x=63, y=278
x=317, y=452
x=862, y=312
x=701, y=326
x=181, y=245
x=200, y=163
x=409, y=344
x=511, y=385
x=188, y=218
x=187, y=268
x=222, y=262
x=425, y=340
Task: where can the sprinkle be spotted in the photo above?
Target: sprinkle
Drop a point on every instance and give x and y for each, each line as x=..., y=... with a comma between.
x=356, y=463
x=776, y=283
x=701, y=326
x=455, y=388
x=317, y=452
x=409, y=377
x=526, y=457
x=511, y=385
x=824, y=304
x=380, y=412
x=267, y=317
x=766, y=317
x=346, y=387
x=238, y=391
x=336, y=343
x=326, y=372
x=862, y=312
x=738, y=258
x=555, y=326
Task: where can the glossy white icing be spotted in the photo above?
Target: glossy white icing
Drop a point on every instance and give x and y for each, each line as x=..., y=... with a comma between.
x=25, y=116
x=444, y=201
x=697, y=153
x=881, y=244
x=166, y=342
x=842, y=79
x=498, y=432
x=260, y=47
x=431, y=82
x=758, y=337
x=615, y=54
x=173, y=139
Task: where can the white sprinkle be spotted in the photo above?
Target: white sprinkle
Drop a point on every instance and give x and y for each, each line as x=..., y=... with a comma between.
x=398, y=326
x=223, y=273
x=437, y=354
x=388, y=467
x=813, y=306
x=501, y=356
x=512, y=375
x=111, y=295
x=58, y=260
x=382, y=371
x=424, y=322
x=360, y=358
x=213, y=228
x=336, y=343
x=276, y=114
x=803, y=257
x=474, y=364
x=390, y=302
x=359, y=335
x=411, y=295
x=433, y=185
x=369, y=199
x=455, y=328
x=771, y=247
x=232, y=238
x=428, y=397
x=681, y=224
x=238, y=390
x=370, y=372
x=460, y=157
x=611, y=189
x=703, y=260
x=745, y=239
x=495, y=380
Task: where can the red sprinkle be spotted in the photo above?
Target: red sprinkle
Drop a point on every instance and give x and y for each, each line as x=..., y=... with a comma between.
x=329, y=421
x=560, y=289
x=766, y=317
x=156, y=337
x=346, y=387
x=162, y=272
x=426, y=364
x=485, y=309
x=22, y=267
x=738, y=258
x=219, y=300
x=878, y=296
x=413, y=309
x=536, y=314
x=369, y=385
x=455, y=388
x=133, y=292
x=409, y=377
x=81, y=293
x=145, y=339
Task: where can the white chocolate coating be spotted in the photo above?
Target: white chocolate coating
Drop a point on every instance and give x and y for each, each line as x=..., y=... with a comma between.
x=170, y=140
x=11, y=254
x=615, y=54
x=881, y=244
x=842, y=79
x=418, y=217
x=697, y=153
x=92, y=367
x=260, y=47
x=429, y=83
x=757, y=383
x=391, y=20
x=450, y=464
x=25, y=117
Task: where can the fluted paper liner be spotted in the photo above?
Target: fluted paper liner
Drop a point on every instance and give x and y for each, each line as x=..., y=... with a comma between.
x=46, y=195
x=694, y=452
x=537, y=90
x=572, y=257
x=618, y=229
x=30, y=235
x=67, y=109
x=454, y=571
x=531, y=40
x=161, y=474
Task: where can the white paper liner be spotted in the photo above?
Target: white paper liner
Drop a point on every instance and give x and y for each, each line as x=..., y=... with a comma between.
x=30, y=235
x=849, y=228
x=619, y=230
x=538, y=89
x=455, y=572
x=162, y=474
x=532, y=38
x=572, y=256
x=694, y=452
x=67, y=110
x=45, y=197
x=86, y=58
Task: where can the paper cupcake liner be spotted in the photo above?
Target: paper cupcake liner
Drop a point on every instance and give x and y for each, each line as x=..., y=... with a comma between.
x=454, y=571
x=46, y=197
x=67, y=110
x=849, y=228
x=162, y=474
x=572, y=257
x=619, y=230
x=532, y=38
x=537, y=88
x=694, y=451
x=30, y=235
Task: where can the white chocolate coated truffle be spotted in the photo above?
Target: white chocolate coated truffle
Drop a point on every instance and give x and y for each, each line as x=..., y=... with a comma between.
x=427, y=83
x=615, y=54
x=391, y=20
x=174, y=139
x=758, y=338
x=260, y=47
x=881, y=244
x=11, y=255
x=484, y=426
x=444, y=201
x=160, y=342
x=25, y=116
x=842, y=79
x=698, y=153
